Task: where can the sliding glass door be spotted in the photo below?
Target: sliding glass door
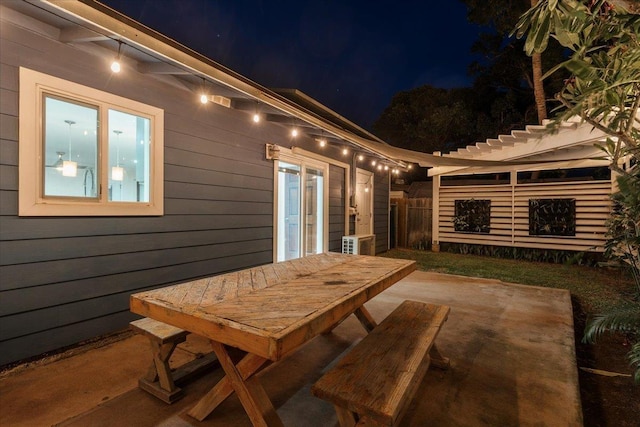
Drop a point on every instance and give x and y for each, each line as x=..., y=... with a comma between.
x=301, y=208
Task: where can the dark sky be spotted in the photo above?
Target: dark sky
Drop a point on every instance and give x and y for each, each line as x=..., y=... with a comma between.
x=352, y=56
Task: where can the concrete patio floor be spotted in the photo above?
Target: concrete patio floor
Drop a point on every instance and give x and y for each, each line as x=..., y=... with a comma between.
x=512, y=364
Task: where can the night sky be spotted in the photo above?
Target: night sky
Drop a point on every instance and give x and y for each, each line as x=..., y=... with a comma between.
x=352, y=56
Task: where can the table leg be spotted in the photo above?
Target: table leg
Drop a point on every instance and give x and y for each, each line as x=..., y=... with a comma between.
x=239, y=378
x=437, y=359
x=365, y=318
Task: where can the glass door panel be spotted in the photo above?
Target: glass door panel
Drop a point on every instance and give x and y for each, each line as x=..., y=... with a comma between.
x=288, y=221
x=314, y=210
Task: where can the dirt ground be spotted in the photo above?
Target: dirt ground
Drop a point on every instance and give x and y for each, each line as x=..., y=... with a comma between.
x=606, y=400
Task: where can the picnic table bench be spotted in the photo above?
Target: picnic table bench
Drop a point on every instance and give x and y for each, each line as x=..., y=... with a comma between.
x=160, y=381
x=374, y=383
x=269, y=312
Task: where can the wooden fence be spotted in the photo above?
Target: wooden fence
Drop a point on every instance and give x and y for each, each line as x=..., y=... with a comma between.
x=411, y=221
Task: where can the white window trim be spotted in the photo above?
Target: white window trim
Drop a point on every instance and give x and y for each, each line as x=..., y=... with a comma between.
x=286, y=155
x=30, y=199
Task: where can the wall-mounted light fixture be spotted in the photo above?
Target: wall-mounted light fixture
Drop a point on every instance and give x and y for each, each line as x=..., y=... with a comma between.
x=272, y=152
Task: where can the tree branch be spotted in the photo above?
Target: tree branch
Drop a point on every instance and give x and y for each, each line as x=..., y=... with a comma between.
x=634, y=108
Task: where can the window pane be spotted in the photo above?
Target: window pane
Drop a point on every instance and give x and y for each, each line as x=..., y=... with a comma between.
x=288, y=211
x=314, y=186
x=129, y=140
x=70, y=144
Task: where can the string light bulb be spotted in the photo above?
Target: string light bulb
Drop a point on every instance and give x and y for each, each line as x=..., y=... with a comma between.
x=322, y=142
x=256, y=115
x=115, y=65
x=294, y=132
x=360, y=157
x=204, y=98
x=373, y=162
x=345, y=151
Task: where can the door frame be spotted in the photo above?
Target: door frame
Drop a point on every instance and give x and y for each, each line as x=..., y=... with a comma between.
x=304, y=161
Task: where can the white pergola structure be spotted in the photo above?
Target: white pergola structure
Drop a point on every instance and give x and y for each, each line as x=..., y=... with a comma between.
x=574, y=145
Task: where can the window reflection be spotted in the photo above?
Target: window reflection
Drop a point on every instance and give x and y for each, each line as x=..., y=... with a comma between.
x=129, y=137
x=70, y=141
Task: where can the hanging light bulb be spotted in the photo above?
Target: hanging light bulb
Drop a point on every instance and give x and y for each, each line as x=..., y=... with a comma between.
x=115, y=65
x=345, y=151
x=386, y=167
x=322, y=142
x=256, y=115
x=117, y=172
x=204, y=98
x=294, y=132
x=360, y=157
x=69, y=167
x=373, y=162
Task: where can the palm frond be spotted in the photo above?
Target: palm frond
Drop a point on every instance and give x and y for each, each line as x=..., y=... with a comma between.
x=623, y=320
x=634, y=359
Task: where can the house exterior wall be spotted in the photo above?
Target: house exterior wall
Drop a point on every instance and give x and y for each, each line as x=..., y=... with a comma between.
x=510, y=214
x=68, y=279
x=381, y=207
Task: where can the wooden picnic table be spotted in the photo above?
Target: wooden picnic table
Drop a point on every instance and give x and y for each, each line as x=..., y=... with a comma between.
x=269, y=312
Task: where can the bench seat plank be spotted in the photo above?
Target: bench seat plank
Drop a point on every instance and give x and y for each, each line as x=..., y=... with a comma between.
x=377, y=377
x=160, y=331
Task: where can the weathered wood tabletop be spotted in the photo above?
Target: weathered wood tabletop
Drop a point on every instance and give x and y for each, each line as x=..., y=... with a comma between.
x=270, y=311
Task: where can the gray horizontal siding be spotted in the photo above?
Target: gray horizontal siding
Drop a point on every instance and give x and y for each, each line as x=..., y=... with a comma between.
x=336, y=207
x=67, y=279
x=381, y=210
x=51, y=339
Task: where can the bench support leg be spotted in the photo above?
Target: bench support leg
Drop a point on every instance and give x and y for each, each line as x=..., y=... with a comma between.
x=437, y=359
x=346, y=418
x=239, y=378
x=158, y=380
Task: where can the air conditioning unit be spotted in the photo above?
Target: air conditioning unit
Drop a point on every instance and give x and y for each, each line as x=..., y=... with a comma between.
x=361, y=244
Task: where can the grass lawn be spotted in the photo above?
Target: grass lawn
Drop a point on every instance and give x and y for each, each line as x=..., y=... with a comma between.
x=594, y=289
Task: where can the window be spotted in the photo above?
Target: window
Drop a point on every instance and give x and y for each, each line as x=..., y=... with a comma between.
x=472, y=216
x=301, y=207
x=71, y=165
x=552, y=217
